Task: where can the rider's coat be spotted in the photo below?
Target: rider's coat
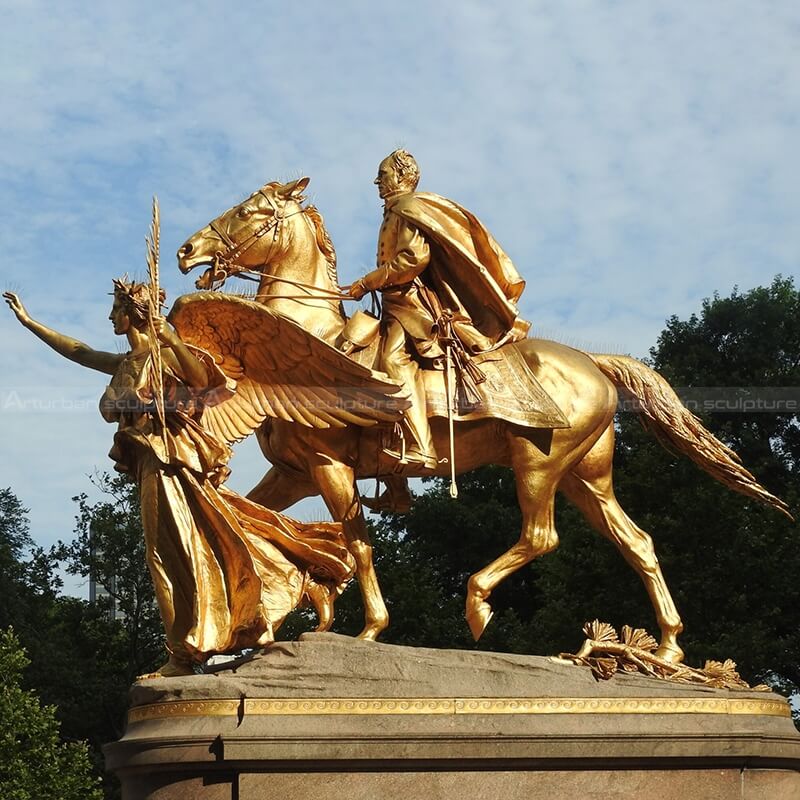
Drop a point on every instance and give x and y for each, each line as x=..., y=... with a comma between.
x=434, y=254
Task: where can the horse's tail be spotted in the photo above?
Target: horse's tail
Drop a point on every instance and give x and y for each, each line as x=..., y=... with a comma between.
x=665, y=417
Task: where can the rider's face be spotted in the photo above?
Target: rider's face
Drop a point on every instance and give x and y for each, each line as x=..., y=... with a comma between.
x=388, y=181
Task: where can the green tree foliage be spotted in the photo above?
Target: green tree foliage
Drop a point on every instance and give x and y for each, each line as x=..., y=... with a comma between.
x=28, y=585
x=82, y=660
x=731, y=563
x=34, y=763
x=109, y=547
x=107, y=651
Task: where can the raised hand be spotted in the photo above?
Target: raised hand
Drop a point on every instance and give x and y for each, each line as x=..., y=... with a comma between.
x=15, y=304
x=164, y=331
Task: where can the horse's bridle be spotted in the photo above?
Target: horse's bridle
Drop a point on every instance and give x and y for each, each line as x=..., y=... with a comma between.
x=224, y=265
x=224, y=259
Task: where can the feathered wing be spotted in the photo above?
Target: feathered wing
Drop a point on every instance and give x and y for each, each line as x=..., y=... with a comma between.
x=280, y=370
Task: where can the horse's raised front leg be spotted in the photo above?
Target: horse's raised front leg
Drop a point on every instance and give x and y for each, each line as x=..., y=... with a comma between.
x=589, y=487
x=337, y=485
x=536, y=495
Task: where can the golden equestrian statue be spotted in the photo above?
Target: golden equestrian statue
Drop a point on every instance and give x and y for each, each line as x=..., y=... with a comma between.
x=492, y=396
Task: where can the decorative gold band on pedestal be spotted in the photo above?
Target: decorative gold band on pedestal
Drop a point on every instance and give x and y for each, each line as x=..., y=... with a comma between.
x=466, y=705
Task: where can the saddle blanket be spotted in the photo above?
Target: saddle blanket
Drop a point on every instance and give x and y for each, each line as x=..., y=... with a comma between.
x=510, y=392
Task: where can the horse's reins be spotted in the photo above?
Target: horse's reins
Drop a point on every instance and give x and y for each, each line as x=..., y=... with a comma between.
x=259, y=276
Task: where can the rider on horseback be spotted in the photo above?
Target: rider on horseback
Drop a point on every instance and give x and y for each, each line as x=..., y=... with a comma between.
x=443, y=278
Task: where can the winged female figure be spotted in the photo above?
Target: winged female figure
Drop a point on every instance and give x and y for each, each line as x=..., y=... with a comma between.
x=226, y=570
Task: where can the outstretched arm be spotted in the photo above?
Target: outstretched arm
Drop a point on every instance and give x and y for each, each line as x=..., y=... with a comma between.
x=70, y=348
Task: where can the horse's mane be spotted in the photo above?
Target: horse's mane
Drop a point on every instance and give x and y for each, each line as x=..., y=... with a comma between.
x=323, y=241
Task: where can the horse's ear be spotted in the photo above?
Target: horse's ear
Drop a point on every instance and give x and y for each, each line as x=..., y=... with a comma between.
x=294, y=189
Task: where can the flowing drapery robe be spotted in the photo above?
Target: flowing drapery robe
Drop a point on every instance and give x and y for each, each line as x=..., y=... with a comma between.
x=226, y=570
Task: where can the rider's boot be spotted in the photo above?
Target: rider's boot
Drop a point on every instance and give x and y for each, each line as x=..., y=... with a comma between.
x=416, y=447
x=395, y=498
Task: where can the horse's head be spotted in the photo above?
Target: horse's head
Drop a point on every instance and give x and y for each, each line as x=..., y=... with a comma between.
x=245, y=237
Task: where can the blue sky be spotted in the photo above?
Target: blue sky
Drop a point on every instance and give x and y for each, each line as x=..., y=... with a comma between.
x=632, y=157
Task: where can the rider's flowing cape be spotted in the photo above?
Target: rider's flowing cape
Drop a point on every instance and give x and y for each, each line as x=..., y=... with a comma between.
x=469, y=271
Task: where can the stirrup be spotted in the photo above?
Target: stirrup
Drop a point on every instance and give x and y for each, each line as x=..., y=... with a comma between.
x=412, y=458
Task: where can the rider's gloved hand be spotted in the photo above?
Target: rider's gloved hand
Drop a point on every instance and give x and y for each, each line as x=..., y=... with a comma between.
x=357, y=290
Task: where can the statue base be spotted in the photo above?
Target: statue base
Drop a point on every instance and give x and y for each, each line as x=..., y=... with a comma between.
x=329, y=716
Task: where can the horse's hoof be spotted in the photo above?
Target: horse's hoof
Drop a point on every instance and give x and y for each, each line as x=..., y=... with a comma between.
x=370, y=633
x=670, y=652
x=479, y=613
x=172, y=669
x=322, y=601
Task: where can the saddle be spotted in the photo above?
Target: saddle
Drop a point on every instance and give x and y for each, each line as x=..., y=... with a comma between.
x=498, y=384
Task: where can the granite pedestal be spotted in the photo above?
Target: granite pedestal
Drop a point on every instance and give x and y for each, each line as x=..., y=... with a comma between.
x=329, y=716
